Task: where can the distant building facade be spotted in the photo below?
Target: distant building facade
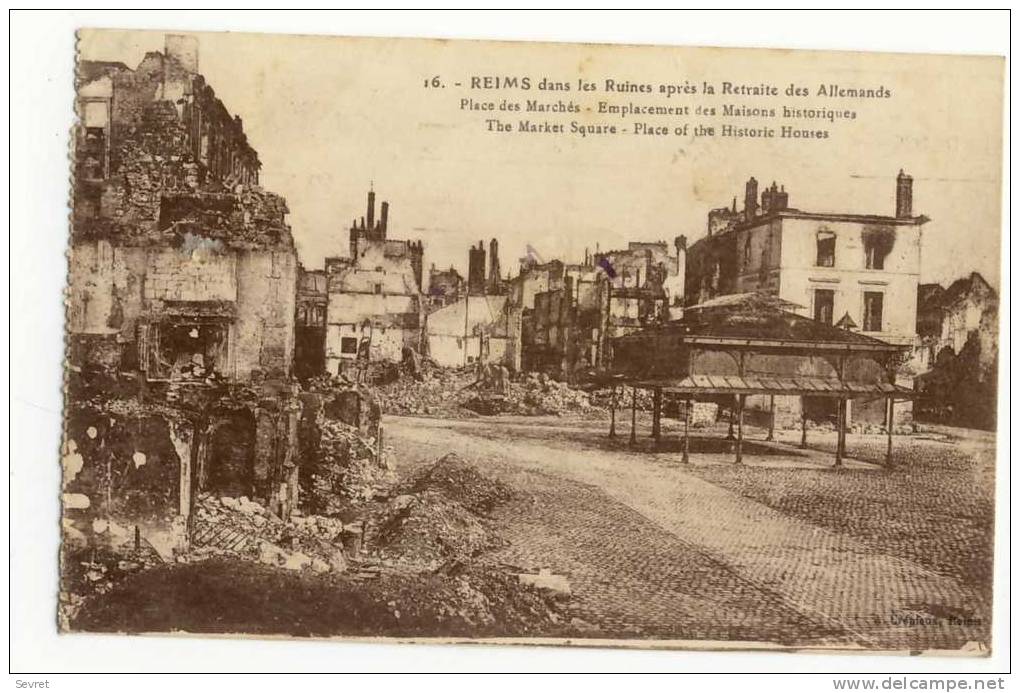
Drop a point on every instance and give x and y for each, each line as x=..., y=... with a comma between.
x=948, y=318
x=865, y=266
x=958, y=354
x=568, y=314
x=445, y=287
x=375, y=305
x=859, y=271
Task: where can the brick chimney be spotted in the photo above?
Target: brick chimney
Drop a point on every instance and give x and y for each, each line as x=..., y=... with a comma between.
x=384, y=216
x=774, y=199
x=904, y=195
x=494, y=270
x=750, y=199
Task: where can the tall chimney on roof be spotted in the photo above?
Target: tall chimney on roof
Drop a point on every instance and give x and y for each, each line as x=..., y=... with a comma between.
x=371, y=210
x=750, y=199
x=384, y=215
x=494, y=273
x=904, y=195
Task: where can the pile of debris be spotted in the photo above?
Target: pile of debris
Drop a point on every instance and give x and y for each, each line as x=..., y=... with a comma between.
x=603, y=398
x=437, y=392
x=461, y=483
x=241, y=528
x=346, y=465
x=430, y=529
x=442, y=515
x=95, y=571
x=534, y=394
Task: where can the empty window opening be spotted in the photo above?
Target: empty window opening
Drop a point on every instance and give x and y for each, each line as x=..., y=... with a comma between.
x=877, y=242
x=824, y=301
x=826, y=249
x=873, y=311
x=186, y=351
x=349, y=346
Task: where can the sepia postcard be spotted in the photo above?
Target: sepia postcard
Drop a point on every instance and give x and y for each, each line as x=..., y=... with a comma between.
x=449, y=340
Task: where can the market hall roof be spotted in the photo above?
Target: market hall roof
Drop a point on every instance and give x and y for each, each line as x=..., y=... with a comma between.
x=755, y=319
x=750, y=344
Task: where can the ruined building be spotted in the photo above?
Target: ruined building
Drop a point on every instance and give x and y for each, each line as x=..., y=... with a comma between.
x=958, y=351
x=171, y=232
x=375, y=304
x=858, y=271
x=469, y=322
x=181, y=304
x=568, y=314
x=445, y=287
x=310, y=324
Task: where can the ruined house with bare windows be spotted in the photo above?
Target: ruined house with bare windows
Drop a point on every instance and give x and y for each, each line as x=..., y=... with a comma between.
x=856, y=271
x=569, y=314
x=375, y=304
x=180, y=304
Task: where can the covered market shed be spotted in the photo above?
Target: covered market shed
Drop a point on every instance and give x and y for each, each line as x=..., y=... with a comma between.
x=743, y=345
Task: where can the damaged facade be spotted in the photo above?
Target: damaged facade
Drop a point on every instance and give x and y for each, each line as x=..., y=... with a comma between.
x=445, y=287
x=171, y=233
x=958, y=353
x=375, y=303
x=469, y=321
x=570, y=313
x=180, y=306
x=858, y=271
x=310, y=324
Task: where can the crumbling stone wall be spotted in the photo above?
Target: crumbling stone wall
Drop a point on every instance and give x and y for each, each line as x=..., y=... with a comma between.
x=263, y=336
x=121, y=469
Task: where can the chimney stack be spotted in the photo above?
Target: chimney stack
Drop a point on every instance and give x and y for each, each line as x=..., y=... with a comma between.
x=904, y=195
x=750, y=199
x=680, y=243
x=774, y=199
x=476, y=269
x=384, y=215
x=494, y=278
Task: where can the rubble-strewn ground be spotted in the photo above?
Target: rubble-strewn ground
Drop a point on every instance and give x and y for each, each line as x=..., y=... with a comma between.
x=411, y=568
x=544, y=526
x=457, y=393
x=221, y=596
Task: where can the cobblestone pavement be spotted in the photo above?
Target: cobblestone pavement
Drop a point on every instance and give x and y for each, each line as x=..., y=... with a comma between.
x=934, y=507
x=658, y=550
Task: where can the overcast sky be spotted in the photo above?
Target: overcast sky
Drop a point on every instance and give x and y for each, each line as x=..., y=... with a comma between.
x=330, y=115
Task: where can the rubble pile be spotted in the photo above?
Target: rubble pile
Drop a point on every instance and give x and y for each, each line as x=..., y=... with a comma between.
x=603, y=398
x=538, y=394
x=86, y=574
x=429, y=529
x=439, y=391
x=241, y=528
x=461, y=482
x=442, y=514
x=487, y=600
x=244, y=597
x=534, y=394
x=346, y=465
